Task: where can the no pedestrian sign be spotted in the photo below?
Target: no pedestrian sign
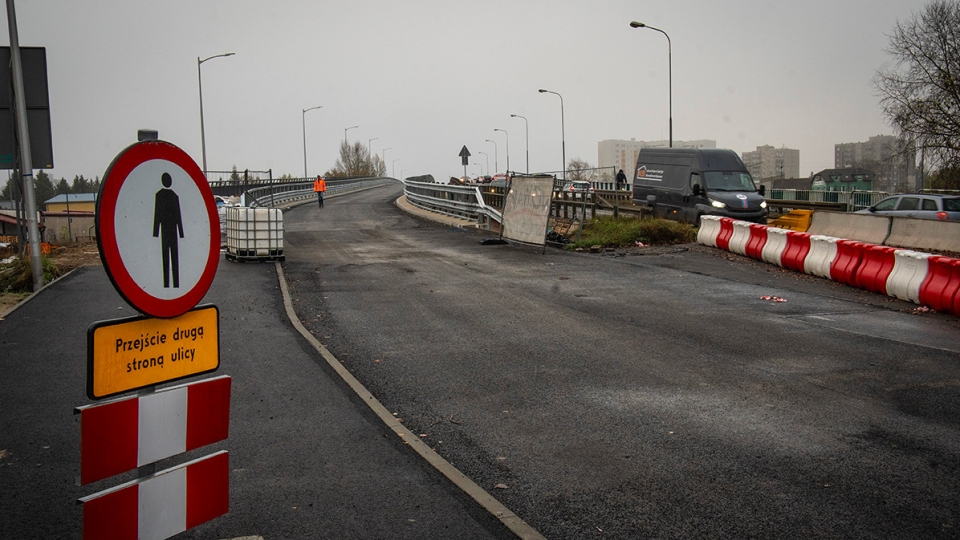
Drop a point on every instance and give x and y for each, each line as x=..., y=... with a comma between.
x=158, y=229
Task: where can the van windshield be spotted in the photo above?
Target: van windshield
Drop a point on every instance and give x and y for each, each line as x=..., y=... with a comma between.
x=728, y=181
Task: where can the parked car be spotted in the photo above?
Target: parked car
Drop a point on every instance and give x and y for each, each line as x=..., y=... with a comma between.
x=918, y=205
x=578, y=186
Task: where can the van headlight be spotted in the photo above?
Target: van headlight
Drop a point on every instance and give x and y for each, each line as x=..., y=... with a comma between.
x=717, y=204
x=763, y=204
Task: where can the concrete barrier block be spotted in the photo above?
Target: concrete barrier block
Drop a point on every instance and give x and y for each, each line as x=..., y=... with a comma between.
x=823, y=251
x=773, y=248
x=860, y=227
x=909, y=271
x=925, y=234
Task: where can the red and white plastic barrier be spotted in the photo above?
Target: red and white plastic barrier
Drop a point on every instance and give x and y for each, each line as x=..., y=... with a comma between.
x=160, y=506
x=909, y=272
x=122, y=435
x=795, y=252
x=925, y=279
x=942, y=285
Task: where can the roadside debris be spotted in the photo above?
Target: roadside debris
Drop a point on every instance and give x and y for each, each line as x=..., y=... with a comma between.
x=773, y=299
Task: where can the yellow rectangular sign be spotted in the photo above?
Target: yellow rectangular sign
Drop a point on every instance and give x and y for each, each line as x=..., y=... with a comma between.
x=132, y=353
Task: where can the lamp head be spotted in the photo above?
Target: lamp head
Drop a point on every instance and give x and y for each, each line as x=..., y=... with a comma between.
x=636, y=24
x=541, y=90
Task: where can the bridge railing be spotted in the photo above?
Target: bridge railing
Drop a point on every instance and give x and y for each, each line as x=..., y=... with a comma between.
x=465, y=202
x=285, y=193
x=848, y=201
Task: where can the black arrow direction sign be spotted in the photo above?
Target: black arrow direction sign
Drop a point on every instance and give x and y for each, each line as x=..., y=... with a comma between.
x=464, y=153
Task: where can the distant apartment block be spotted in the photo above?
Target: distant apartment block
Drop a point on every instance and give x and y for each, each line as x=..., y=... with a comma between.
x=894, y=167
x=768, y=163
x=623, y=154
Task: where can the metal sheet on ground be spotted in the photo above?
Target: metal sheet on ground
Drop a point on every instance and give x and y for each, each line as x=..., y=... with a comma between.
x=527, y=209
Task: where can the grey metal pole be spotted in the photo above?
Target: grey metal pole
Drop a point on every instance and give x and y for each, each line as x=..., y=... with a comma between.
x=508, y=147
x=303, y=117
x=563, y=131
x=636, y=24
x=26, y=159
x=203, y=138
x=496, y=163
x=345, y=133
x=487, y=156
x=526, y=128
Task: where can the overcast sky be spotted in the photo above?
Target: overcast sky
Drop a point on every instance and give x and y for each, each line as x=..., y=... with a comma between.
x=426, y=77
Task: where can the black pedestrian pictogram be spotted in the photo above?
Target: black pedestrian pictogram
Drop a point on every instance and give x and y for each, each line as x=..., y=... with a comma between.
x=168, y=225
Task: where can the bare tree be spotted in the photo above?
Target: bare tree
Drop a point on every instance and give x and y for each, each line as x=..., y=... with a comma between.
x=354, y=160
x=578, y=169
x=921, y=93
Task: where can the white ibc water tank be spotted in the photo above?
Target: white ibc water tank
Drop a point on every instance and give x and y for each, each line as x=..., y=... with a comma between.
x=254, y=233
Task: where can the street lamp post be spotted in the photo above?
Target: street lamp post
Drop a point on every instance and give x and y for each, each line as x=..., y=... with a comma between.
x=345, y=133
x=393, y=168
x=203, y=137
x=303, y=117
x=563, y=136
x=369, y=147
x=496, y=163
x=636, y=24
x=507, y=145
x=526, y=126
x=384, y=159
x=487, y=156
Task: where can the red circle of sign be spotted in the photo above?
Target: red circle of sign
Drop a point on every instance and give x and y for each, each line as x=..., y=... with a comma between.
x=117, y=173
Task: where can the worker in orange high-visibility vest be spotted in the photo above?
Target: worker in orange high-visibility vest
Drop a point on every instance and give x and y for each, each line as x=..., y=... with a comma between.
x=320, y=186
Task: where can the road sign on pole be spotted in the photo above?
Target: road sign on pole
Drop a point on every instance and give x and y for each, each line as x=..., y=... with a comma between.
x=137, y=352
x=158, y=229
x=464, y=154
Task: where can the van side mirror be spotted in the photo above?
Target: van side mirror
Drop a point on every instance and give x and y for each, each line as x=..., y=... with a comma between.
x=763, y=190
x=696, y=190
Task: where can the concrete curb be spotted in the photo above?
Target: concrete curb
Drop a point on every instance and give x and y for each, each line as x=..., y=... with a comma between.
x=487, y=501
x=405, y=205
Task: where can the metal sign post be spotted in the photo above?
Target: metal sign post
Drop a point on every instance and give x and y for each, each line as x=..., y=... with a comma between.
x=158, y=231
x=464, y=154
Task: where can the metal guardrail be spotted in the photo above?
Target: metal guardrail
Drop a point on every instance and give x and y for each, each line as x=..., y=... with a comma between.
x=279, y=194
x=849, y=201
x=465, y=202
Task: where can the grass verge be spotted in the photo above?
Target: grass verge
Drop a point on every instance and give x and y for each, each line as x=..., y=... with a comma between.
x=608, y=231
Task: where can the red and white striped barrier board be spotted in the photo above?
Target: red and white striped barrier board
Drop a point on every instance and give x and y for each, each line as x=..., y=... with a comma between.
x=122, y=435
x=161, y=505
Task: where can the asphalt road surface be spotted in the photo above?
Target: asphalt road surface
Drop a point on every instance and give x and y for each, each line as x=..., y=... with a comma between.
x=641, y=396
